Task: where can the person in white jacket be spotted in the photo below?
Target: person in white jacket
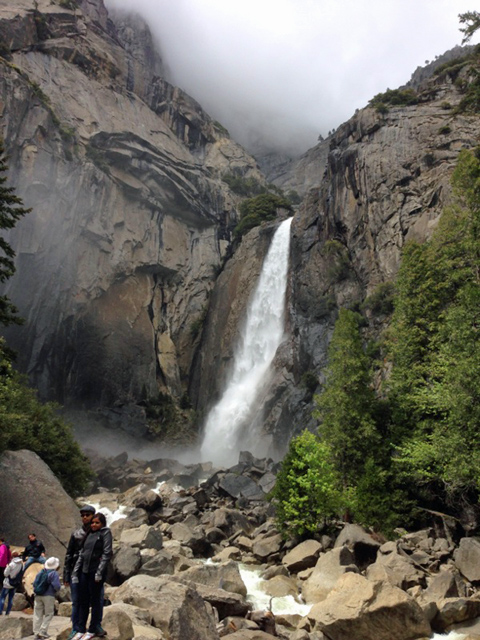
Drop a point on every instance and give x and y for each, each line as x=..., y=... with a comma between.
x=12, y=577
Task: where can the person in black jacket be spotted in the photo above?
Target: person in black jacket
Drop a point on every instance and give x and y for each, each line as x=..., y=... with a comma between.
x=90, y=572
x=75, y=545
x=33, y=552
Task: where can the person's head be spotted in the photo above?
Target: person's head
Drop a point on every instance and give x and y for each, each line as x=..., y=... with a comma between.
x=98, y=521
x=86, y=513
x=32, y=537
x=52, y=563
x=15, y=554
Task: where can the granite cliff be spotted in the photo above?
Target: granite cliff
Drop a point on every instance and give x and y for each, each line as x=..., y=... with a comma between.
x=131, y=219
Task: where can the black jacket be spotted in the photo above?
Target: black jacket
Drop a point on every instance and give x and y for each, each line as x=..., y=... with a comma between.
x=95, y=554
x=75, y=545
x=33, y=549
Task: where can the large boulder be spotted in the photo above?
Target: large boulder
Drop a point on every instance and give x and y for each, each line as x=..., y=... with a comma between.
x=330, y=566
x=33, y=500
x=467, y=558
x=176, y=608
x=360, y=609
x=12, y=628
x=225, y=575
x=397, y=570
x=303, y=556
x=362, y=544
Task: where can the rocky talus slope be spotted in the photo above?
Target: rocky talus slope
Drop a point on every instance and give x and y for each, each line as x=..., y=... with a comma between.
x=131, y=219
x=190, y=535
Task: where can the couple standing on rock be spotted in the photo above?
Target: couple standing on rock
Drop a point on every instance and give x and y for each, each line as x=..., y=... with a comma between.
x=89, y=551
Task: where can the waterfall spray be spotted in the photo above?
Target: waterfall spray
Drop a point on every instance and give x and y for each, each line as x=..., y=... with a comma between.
x=227, y=426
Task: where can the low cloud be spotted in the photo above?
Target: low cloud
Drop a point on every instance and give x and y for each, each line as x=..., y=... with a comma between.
x=284, y=71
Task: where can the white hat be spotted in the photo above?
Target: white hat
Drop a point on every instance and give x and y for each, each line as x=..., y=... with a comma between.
x=52, y=563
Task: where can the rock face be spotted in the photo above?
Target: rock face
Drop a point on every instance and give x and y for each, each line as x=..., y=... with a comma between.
x=131, y=217
x=33, y=500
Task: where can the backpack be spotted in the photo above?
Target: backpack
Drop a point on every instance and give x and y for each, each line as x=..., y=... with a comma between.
x=41, y=582
x=16, y=581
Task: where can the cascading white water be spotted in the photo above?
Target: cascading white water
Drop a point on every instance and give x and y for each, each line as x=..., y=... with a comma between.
x=226, y=428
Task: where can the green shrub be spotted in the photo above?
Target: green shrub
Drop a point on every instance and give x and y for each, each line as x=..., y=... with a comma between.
x=380, y=302
x=247, y=187
x=306, y=494
x=26, y=423
x=445, y=130
x=262, y=208
x=339, y=266
x=394, y=98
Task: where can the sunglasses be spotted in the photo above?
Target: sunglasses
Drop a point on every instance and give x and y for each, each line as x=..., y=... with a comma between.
x=86, y=515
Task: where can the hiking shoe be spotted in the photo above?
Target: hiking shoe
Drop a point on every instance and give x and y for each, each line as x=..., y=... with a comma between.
x=100, y=633
x=88, y=636
x=78, y=635
x=72, y=635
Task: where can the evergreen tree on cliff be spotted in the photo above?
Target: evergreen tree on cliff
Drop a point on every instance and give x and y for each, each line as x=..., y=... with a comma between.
x=11, y=210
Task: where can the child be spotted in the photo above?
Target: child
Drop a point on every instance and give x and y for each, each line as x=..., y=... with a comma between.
x=45, y=602
x=13, y=576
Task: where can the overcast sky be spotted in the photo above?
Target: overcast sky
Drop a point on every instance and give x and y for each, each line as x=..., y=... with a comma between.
x=289, y=70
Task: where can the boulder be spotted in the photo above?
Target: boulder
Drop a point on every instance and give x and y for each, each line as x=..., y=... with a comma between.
x=303, y=556
x=117, y=623
x=126, y=562
x=230, y=521
x=225, y=575
x=12, y=628
x=161, y=563
x=454, y=610
x=194, y=538
x=467, y=558
x=144, y=537
x=226, y=603
x=177, y=609
x=396, y=569
x=362, y=544
x=239, y=486
x=264, y=547
x=281, y=586
x=32, y=499
x=357, y=608
x=330, y=566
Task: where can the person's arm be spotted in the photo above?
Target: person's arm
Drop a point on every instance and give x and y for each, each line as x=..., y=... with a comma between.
x=107, y=553
x=41, y=548
x=69, y=563
x=55, y=581
x=3, y=555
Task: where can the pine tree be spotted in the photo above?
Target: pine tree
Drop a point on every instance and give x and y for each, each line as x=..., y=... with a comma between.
x=11, y=210
x=347, y=405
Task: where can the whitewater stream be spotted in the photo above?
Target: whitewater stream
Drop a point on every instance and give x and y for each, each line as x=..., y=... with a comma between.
x=228, y=425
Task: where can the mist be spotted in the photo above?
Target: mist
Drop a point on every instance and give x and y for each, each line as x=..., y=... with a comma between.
x=280, y=73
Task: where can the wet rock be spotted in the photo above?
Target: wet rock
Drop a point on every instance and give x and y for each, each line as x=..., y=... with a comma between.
x=225, y=575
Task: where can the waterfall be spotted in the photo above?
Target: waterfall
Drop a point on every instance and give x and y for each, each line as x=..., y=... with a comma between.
x=228, y=425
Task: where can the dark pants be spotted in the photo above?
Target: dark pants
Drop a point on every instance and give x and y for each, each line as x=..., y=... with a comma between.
x=90, y=596
x=74, y=594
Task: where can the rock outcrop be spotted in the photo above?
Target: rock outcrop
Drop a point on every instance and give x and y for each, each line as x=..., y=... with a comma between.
x=131, y=219
x=33, y=500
